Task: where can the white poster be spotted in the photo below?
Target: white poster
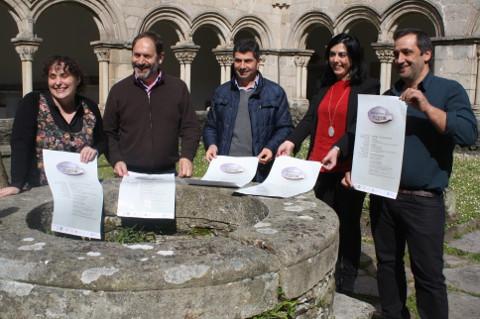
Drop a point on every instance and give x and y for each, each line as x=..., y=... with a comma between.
x=289, y=177
x=77, y=194
x=379, y=143
x=147, y=196
x=228, y=171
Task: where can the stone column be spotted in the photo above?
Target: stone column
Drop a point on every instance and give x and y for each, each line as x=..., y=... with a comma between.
x=26, y=48
x=384, y=53
x=3, y=174
x=185, y=53
x=103, y=56
x=476, y=102
x=301, y=61
x=477, y=86
x=225, y=59
x=261, y=63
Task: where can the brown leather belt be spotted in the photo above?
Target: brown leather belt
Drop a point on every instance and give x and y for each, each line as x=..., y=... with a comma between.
x=422, y=193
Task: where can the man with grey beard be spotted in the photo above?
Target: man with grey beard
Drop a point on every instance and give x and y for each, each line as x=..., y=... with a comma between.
x=146, y=114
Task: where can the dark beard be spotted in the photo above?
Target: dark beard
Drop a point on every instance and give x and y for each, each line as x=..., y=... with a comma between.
x=154, y=68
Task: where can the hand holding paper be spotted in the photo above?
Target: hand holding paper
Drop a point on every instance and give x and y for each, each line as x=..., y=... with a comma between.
x=228, y=171
x=77, y=194
x=289, y=177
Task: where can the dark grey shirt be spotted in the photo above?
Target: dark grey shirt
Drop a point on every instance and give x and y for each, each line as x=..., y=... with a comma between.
x=242, y=133
x=428, y=154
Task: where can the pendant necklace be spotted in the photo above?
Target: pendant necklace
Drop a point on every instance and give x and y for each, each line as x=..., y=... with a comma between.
x=331, y=129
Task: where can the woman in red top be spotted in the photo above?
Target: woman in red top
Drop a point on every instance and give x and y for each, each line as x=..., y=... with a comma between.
x=330, y=122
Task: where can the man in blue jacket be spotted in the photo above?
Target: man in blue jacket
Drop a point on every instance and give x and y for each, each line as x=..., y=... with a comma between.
x=249, y=115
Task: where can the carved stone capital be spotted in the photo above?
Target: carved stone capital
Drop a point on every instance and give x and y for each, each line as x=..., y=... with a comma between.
x=102, y=54
x=26, y=48
x=385, y=56
x=224, y=59
x=384, y=52
x=224, y=55
x=185, y=53
x=281, y=4
x=262, y=60
x=185, y=56
x=301, y=60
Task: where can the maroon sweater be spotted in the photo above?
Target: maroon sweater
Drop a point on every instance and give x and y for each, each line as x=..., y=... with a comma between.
x=144, y=132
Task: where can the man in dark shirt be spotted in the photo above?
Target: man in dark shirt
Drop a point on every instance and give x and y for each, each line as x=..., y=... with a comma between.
x=249, y=114
x=439, y=116
x=147, y=112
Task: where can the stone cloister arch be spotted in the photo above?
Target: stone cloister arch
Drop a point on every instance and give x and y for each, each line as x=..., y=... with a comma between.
x=184, y=49
x=206, y=68
x=111, y=27
x=221, y=28
x=20, y=14
x=253, y=27
x=179, y=20
x=316, y=41
x=391, y=19
x=364, y=23
x=169, y=33
x=367, y=34
x=350, y=16
x=392, y=15
x=10, y=77
x=218, y=23
x=282, y=28
x=106, y=15
x=65, y=37
x=298, y=38
x=258, y=26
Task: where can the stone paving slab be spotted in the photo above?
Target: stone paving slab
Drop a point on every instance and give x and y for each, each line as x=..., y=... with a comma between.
x=451, y=261
x=463, y=306
x=366, y=286
x=345, y=307
x=469, y=243
x=465, y=278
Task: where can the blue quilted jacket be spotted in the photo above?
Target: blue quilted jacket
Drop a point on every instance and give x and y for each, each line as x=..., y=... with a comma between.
x=269, y=117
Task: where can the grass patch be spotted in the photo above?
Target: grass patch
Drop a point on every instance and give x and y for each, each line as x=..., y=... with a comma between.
x=412, y=306
x=200, y=164
x=201, y=231
x=105, y=170
x=464, y=181
x=285, y=309
x=130, y=235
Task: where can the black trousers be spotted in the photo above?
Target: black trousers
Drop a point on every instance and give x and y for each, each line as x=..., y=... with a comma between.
x=418, y=222
x=347, y=203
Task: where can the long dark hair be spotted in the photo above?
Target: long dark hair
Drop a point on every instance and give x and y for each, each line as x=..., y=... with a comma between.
x=355, y=53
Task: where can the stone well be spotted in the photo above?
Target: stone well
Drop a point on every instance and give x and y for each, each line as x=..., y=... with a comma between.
x=265, y=246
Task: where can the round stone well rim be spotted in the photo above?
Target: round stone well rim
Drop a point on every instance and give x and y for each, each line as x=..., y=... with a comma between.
x=300, y=232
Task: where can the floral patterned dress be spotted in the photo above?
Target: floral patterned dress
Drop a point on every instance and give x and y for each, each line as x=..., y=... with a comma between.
x=50, y=136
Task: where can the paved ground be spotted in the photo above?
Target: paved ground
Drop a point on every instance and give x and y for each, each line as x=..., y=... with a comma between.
x=462, y=272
